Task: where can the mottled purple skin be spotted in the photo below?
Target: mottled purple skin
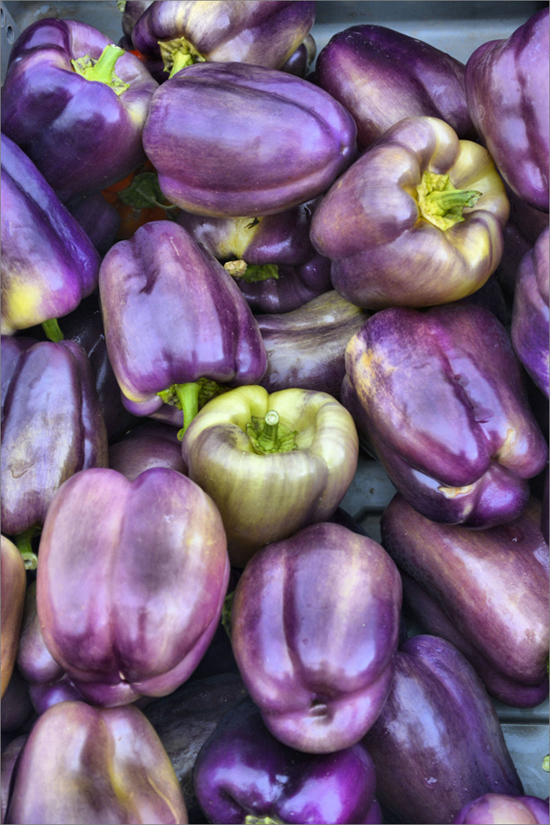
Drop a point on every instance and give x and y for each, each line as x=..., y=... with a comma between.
x=81, y=135
x=438, y=740
x=500, y=809
x=267, y=140
x=305, y=348
x=149, y=445
x=99, y=219
x=382, y=76
x=48, y=261
x=507, y=94
x=384, y=252
x=82, y=764
x=133, y=612
x=172, y=315
x=439, y=397
x=14, y=583
x=227, y=32
x=52, y=428
x=314, y=628
x=242, y=770
x=530, y=314
x=489, y=587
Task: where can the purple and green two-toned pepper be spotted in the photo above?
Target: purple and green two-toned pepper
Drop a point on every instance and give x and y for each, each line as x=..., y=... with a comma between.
x=485, y=591
x=48, y=262
x=174, y=319
x=267, y=140
x=314, y=628
x=416, y=221
x=382, y=76
x=173, y=35
x=437, y=742
x=507, y=93
x=244, y=775
x=131, y=581
x=439, y=396
x=76, y=104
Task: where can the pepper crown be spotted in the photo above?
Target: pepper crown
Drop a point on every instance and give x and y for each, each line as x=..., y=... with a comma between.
x=102, y=70
x=177, y=54
x=270, y=435
x=440, y=203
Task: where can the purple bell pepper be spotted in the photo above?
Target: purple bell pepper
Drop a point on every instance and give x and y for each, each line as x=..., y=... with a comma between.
x=14, y=583
x=149, y=445
x=76, y=104
x=501, y=809
x=520, y=234
x=267, y=140
x=300, y=61
x=382, y=76
x=439, y=397
x=173, y=35
x=10, y=755
x=314, y=628
x=437, y=741
x=99, y=219
x=244, y=774
x=133, y=612
x=131, y=12
x=81, y=764
x=17, y=707
x=172, y=316
x=48, y=262
x=507, y=94
x=485, y=591
x=530, y=314
x=52, y=428
x=416, y=221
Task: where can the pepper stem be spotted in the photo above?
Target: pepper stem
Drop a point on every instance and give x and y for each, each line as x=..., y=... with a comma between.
x=262, y=820
x=53, y=330
x=102, y=70
x=177, y=54
x=440, y=203
x=251, y=273
x=24, y=544
x=188, y=397
x=269, y=435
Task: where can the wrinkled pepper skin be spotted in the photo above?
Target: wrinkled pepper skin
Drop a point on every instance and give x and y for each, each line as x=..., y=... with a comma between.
x=172, y=315
x=382, y=76
x=82, y=764
x=48, y=262
x=439, y=396
x=530, y=328
x=14, y=583
x=133, y=612
x=52, y=428
x=507, y=93
x=173, y=35
x=267, y=497
x=151, y=444
x=243, y=773
x=390, y=242
x=268, y=140
x=500, y=809
x=438, y=729
x=490, y=588
x=80, y=134
x=314, y=628
x=305, y=348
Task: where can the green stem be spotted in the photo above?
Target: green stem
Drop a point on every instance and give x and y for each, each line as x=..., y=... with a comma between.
x=188, y=397
x=440, y=203
x=102, y=70
x=546, y=764
x=262, y=820
x=443, y=202
x=53, y=330
x=269, y=435
x=24, y=544
x=252, y=273
x=268, y=439
x=181, y=61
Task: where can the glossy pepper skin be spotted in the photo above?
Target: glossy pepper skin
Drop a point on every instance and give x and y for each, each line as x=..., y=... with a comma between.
x=507, y=93
x=173, y=35
x=530, y=314
x=82, y=764
x=416, y=221
x=314, y=628
x=439, y=396
x=438, y=729
x=382, y=76
x=52, y=428
x=133, y=612
x=286, y=786
x=500, y=809
x=14, y=584
x=172, y=315
x=268, y=140
x=80, y=134
x=484, y=591
x=48, y=262
x=272, y=463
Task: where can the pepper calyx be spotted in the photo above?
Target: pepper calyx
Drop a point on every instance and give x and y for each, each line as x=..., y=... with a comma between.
x=103, y=69
x=190, y=398
x=440, y=203
x=23, y=542
x=269, y=435
x=251, y=273
x=262, y=820
x=144, y=192
x=177, y=54
x=53, y=330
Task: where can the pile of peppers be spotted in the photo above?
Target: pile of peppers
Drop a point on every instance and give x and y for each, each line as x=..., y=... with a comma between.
x=226, y=278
